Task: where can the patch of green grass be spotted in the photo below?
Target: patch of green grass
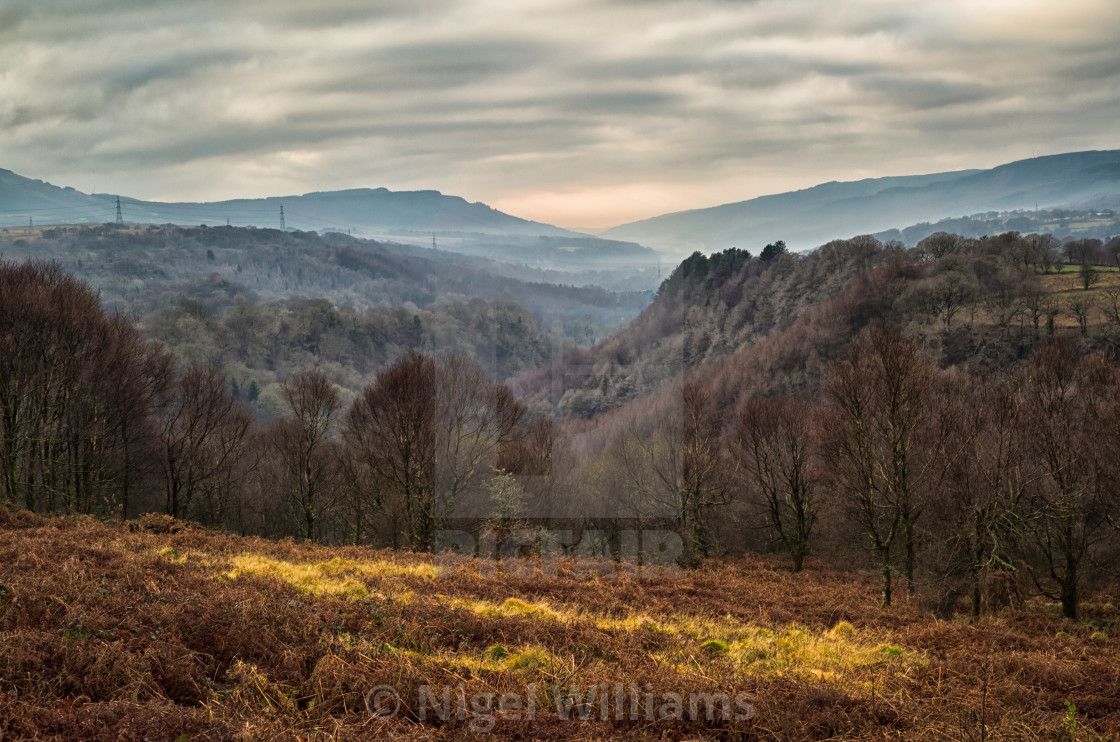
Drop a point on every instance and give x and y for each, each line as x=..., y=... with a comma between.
x=172, y=554
x=496, y=652
x=1077, y=268
x=715, y=646
x=531, y=663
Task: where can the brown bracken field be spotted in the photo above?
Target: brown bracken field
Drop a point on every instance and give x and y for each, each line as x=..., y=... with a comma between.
x=157, y=630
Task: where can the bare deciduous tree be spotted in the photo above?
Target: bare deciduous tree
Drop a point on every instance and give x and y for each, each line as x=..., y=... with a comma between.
x=392, y=427
x=773, y=446
x=681, y=471
x=1066, y=399
x=877, y=443
x=200, y=435
x=1001, y=297
x=305, y=442
x=985, y=478
x=1088, y=276
x=1034, y=304
x=475, y=418
x=71, y=387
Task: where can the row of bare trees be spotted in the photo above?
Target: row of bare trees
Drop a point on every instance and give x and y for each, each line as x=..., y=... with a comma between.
x=1009, y=293
x=75, y=389
x=959, y=485
x=948, y=479
x=414, y=450
x=95, y=420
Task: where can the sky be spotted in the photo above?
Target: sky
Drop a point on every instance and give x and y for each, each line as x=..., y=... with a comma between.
x=580, y=113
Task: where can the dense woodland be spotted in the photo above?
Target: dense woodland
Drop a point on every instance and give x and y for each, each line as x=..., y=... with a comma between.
x=97, y=420
x=261, y=345
x=949, y=412
x=264, y=304
x=140, y=264
x=803, y=436
x=145, y=269
x=982, y=302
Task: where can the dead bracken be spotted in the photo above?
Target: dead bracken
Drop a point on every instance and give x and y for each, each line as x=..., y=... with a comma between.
x=114, y=632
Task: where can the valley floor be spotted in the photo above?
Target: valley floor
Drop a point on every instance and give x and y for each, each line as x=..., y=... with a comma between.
x=165, y=632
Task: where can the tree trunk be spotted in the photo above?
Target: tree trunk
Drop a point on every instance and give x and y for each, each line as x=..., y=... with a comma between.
x=1069, y=592
x=801, y=545
x=886, y=573
x=908, y=558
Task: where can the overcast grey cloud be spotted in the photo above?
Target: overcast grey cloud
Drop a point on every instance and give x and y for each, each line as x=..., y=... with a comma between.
x=577, y=112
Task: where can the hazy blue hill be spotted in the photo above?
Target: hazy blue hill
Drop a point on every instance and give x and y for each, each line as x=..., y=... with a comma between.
x=808, y=218
x=22, y=197
x=363, y=210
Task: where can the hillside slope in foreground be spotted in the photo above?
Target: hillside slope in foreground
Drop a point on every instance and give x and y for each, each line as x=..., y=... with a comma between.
x=160, y=631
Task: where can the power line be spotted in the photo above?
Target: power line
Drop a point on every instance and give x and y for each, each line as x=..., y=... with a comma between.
x=159, y=206
x=282, y=227
x=145, y=207
x=45, y=210
x=120, y=219
x=317, y=220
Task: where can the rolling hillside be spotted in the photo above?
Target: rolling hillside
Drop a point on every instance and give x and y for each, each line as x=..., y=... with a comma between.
x=749, y=326
x=363, y=209
x=153, y=630
x=416, y=218
x=811, y=217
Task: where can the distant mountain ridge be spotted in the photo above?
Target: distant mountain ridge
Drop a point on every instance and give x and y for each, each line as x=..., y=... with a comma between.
x=808, y=218
x=368, y=210
x=804, y=219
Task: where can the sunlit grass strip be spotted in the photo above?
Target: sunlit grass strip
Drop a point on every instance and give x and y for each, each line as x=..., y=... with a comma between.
x=793, y=649
x=382, y=568
x=527, y=662
x=510, y=608
x=800, y=650
x=337, y=578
